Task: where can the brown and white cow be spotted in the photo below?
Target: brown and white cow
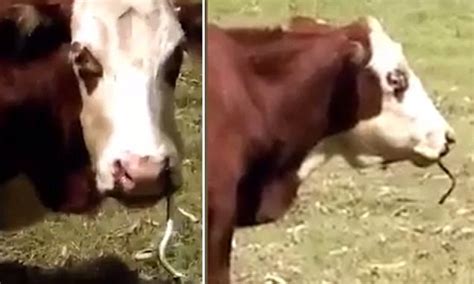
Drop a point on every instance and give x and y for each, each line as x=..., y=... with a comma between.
x=126, y=55
x=273, y=95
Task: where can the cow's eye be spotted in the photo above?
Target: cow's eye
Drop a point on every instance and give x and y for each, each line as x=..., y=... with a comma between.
x=89, y=68
x=398, y=80
x=86, y=62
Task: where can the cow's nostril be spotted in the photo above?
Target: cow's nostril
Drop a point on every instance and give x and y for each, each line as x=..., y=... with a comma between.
x=144, y=160
x=118, y=166
x=166, y=163
x=445, y=151
x=450, y=139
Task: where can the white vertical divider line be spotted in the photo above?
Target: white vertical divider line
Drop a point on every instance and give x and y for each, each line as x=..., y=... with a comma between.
x=203, y=143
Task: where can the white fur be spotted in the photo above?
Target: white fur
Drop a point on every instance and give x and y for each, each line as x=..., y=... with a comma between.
x=132, y=94
x=412, y=129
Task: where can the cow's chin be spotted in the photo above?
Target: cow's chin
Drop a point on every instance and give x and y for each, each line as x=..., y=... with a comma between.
x=366, y=161
x=425, y=156
x=423, y=162
x=417, y=160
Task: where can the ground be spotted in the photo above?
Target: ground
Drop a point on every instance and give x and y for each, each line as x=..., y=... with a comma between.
x=66, y=240
x=376, y=226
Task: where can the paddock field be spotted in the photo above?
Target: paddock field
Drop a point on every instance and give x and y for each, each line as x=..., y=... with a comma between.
x=376, y=226
x=62, y=240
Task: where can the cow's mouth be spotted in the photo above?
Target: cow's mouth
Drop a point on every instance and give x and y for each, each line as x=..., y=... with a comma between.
x=123, y=180
x=425, y=156
x=422, y=162
x=139, y=194
x=417, y=160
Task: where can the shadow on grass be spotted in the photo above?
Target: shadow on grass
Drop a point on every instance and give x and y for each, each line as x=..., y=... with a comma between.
x=106, y=269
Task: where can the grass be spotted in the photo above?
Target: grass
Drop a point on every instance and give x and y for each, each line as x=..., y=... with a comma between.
x=376, y=226
x=68, y=239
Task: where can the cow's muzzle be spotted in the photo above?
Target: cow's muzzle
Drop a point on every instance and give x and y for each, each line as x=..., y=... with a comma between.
x=142, y=181
x=426, y=155
x=450, y=141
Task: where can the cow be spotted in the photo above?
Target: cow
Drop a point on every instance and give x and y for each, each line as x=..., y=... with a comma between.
x=69, y=123
x=275, y=95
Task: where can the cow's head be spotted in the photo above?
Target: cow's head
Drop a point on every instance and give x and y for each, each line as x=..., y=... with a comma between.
x=126, y=55
x=397, y=120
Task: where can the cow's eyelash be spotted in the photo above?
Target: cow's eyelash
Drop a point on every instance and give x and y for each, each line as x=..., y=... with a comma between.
x=399, y=80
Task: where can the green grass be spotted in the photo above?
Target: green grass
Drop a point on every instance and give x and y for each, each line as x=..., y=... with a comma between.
x=358, y=227
x=66, y=239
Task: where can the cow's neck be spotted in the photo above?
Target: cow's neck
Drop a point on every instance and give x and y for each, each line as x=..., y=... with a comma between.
x=303, y=96
x=307, y=103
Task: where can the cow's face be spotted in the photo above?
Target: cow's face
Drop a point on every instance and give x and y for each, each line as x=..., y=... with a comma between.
x=126, y=57
x=408, y=125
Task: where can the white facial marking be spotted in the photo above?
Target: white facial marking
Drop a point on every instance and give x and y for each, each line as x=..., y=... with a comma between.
x=128, y=112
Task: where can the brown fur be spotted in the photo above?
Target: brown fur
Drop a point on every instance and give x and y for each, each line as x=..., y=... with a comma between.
x=41, y=133
x=31, y=31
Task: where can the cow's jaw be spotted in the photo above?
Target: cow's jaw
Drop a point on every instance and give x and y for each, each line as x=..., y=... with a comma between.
x=127, y=116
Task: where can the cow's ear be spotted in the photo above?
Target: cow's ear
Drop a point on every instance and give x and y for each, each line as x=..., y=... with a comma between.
x=358, y=54
x=84, y=60
x=30, y=31
x=302, y=24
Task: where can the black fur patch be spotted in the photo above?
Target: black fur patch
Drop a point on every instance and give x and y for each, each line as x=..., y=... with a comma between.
x=31, y=31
